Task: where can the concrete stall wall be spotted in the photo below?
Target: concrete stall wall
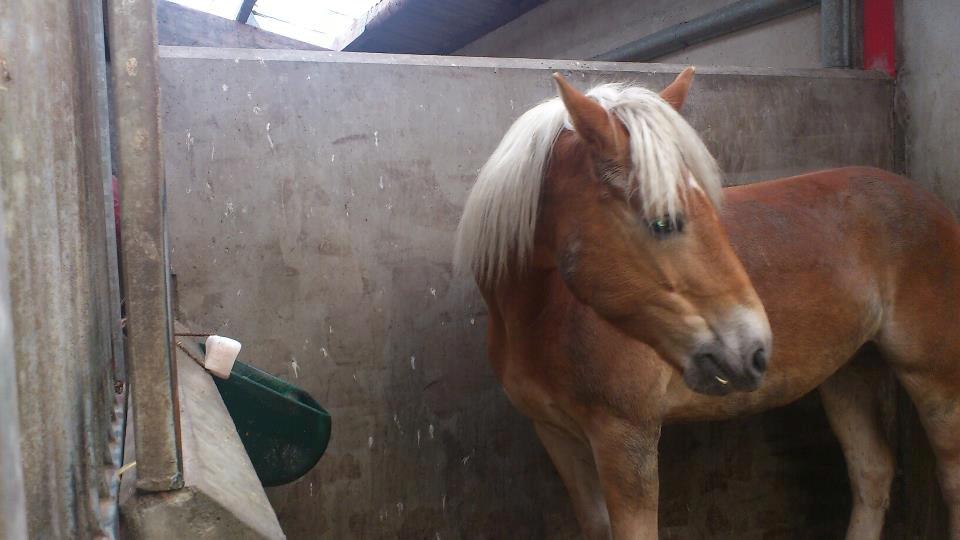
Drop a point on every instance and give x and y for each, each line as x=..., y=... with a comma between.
x=929, y=94
x=929, y=116
x=54, y=181
x=313, y=198
x=564, y=29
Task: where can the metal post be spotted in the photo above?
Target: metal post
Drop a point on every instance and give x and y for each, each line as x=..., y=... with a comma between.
x=152, y=376
x=108, y=370
x=835, y=42
x=736, y=16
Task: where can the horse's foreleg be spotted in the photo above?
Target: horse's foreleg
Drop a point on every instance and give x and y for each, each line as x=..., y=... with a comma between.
x=626, y=458
x=574, y=461
x=851, y=400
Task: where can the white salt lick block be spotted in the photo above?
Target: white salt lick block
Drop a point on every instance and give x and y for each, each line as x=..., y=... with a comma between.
x=222, y=353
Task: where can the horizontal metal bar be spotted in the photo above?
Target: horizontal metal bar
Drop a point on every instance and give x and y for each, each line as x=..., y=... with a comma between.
x=736, y=16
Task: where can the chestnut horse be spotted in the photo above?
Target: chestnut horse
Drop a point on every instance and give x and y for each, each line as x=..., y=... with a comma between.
x=622, y=296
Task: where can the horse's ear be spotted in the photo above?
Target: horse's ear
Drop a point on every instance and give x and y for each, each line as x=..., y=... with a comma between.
x=593, y=123
x=676, y=92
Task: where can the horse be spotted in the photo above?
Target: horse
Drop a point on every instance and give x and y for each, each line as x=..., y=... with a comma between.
x=626, y=289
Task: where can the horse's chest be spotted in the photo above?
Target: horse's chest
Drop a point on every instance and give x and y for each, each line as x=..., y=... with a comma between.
x=526, y=384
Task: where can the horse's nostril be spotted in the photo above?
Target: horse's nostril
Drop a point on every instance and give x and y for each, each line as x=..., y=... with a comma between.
x=760, y=360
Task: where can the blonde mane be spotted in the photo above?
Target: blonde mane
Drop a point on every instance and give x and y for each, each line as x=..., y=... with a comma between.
x=500, y=216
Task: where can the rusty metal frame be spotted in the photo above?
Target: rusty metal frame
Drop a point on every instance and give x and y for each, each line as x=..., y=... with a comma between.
x=152, y=376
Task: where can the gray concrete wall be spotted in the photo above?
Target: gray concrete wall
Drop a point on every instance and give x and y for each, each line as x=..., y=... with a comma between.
x=313, y=199
x=929, y=94
x=54, y=177
x=578, y=30
x=927, y=106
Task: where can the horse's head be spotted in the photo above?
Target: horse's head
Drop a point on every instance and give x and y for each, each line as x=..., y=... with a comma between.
x=618, y=194
x=628, y=215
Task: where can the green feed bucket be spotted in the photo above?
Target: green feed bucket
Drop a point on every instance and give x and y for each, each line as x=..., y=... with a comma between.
x=283, y=429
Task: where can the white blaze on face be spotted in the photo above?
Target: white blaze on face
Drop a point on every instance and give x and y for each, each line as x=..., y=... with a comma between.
x=743, y=329
x=703, y=334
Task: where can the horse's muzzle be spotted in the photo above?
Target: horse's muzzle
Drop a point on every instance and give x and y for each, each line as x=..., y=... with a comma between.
x=732, y=369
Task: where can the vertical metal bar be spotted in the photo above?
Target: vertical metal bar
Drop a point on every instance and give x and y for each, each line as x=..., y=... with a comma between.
x=94, y=314
x=101, y=109
x=100, y=215
x=152, y=376
x=835, y=45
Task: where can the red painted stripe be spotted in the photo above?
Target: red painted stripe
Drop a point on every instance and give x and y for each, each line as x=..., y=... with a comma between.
x=879, y=36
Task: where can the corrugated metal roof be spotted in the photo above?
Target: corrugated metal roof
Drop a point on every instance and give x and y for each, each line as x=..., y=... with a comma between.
x=431, y=26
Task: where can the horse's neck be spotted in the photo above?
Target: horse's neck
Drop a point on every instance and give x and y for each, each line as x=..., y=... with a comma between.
x=521, y=301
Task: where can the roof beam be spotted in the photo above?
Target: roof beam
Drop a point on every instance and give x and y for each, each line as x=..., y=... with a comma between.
x=246, y=8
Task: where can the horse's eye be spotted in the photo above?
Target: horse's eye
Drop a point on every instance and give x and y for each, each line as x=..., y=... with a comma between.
x=666, y=225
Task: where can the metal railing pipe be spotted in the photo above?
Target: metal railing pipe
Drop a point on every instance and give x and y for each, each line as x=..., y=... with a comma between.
x=736, y=16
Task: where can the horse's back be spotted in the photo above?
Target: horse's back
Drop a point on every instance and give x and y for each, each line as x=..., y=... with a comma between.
x=855, y=218
x=855, y=239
